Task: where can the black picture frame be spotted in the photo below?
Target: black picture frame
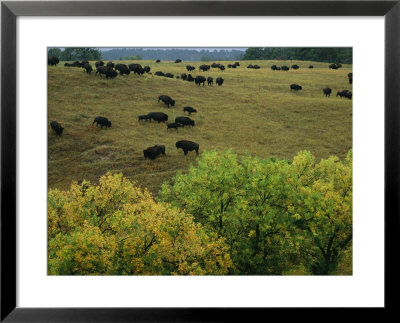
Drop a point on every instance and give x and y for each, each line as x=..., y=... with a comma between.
x=10, y=10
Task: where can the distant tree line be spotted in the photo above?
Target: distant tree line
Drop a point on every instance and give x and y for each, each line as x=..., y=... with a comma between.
x=323, y=54
x=173, y=53
x=75, y=53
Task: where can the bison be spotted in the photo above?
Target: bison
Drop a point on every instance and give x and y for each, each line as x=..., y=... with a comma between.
x=190, y=78
x=99, y=63
x=144, y=117
x=183, y=76
x=102, y=121
x=169, y=75
x=295, y=67
x=190, y=110
x=53, y=61
x=153, y=152
x=147, y=69
x=56, y=127
x=210, y=80
x=178, y=60
x=157, y=116
x=204, y=67
x=167, y=100
x=88, y=68
x=107, y=71
x=190, y=68
x=173, y=125
x=110, y=64
x=159, y=73
x=311, y=66
x=219, y=81
x=345, y=93
x=327, y=91
x=295, y=87
x=187, y=145
x=200, y=79
x=184, y=121
x=285, y=68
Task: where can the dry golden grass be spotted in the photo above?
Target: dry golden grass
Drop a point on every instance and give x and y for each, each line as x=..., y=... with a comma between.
x=254, y=111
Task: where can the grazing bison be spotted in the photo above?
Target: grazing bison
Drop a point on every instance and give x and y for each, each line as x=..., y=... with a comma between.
x=147, y=69
x=158, y=116
x=221, y=67
x=295, y=87
x=107, y=71
x=295, y=67
x=214, y=65
x=159, y=73
x=184, y=121
x=229, y=65
x=99, y=63
x=278, y=68
x=345, y=93
x=102, y=121
x=56, y=127
x=204, y=67
x=190, y=68
x=200, y=79
x=187, y=145
x=327, y=91
x=284, y=68
x=333, y=67
x=183, y=76
x=53, y=61
x=274, y=67
x=236, y=64
x=190, y=110
x=167, y=100
x=110, y=64
x=173, y=125
x=169, y=75
x=88, y=68
x=153, y=152
x=219, y=81
x=68, y=64
x=123, y=69
x=190, y=78
x=256, y=67
x=350, y=76
x=210, y=80
x=311, y=66
x=157, y=61
x=250, y=66
x=144, y=117
x=178, y=60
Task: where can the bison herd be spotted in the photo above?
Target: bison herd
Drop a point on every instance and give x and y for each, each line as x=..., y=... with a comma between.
x=110, y=71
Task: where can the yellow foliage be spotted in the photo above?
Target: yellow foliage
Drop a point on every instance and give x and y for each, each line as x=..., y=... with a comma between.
x=114, y=228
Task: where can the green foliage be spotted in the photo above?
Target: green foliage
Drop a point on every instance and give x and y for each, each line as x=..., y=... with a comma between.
x=80, y=53
x=132, y=58
x=274, y=214
x=54, y=52
x=116, y=229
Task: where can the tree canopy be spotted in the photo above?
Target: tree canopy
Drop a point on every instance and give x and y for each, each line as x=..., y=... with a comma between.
x=342, y=55
x=114, y=228
x=275, y=215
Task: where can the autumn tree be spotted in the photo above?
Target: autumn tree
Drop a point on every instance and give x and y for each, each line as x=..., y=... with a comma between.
x=274, y=214
x=114, y=228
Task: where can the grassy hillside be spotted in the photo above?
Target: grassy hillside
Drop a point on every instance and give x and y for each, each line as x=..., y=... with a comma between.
x=254, y=111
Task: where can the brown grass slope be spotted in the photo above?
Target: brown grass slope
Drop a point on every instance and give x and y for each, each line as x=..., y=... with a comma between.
x=254, y=111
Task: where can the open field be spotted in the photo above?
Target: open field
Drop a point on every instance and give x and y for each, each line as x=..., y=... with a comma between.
x=254, y=111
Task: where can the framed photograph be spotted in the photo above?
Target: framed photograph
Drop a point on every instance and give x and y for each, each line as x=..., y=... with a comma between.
x=197, y=160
